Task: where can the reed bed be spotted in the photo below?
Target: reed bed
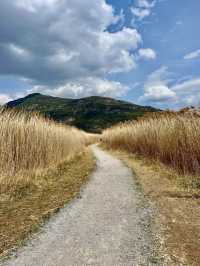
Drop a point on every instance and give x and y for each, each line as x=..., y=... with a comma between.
x=42, y=167
x=172, y=138
x=29, y=143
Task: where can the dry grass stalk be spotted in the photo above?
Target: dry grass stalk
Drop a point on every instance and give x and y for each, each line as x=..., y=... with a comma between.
x=172, y=138
x=29, y=143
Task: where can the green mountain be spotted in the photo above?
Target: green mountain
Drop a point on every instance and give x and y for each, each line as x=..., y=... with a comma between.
x=92, y=114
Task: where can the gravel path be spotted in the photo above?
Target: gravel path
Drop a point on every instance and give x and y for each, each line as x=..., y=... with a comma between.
x=107, y=225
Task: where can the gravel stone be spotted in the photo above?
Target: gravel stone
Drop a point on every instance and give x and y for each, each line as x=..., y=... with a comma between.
x=109, y=224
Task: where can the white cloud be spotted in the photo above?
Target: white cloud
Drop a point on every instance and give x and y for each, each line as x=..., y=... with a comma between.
x=34, y=5
x=158, y=77
x=140, y=13
x=142, y=9
x=115, y=47
x=188, y=92
x=19, y=52
x=64, y=41
x=147, y=53
x=156, y=88
x=4, y=98
x=192, y=86
x=84, y=87
x=146, y=3
x=159, y=93
x=184, y=92
x=61, y=57
x=192, y=55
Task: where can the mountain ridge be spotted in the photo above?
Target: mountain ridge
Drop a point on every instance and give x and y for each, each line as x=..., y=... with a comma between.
x=92, y=114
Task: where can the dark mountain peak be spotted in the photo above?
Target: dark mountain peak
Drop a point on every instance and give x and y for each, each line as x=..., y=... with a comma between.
x=92, y=114
x=32, y=95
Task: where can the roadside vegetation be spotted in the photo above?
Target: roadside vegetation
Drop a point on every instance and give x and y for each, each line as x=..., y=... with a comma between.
x=163, y=150
x=171, y=138
x=43, y=165
x=30, y=143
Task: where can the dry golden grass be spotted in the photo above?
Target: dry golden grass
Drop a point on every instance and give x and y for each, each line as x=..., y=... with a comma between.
x=30, y=142
x=23, y=213
x=172, y=138
x=43, y=165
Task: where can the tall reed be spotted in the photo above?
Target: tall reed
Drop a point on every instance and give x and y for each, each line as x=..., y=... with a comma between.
x=172, y=138
x=29, y=142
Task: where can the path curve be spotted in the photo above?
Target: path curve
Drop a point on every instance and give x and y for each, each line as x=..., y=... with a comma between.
x=107, y=225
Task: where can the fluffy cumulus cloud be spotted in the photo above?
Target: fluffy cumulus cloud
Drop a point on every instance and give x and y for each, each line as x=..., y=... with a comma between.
x=159, y=93
x=84, y=87
x=156, y=88
x=161, y=88
x=147, y=53
x=54, y=44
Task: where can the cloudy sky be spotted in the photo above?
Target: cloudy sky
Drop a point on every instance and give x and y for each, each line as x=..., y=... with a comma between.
x=143, y=51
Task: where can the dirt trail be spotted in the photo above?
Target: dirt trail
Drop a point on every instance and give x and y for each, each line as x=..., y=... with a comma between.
x=107, y=225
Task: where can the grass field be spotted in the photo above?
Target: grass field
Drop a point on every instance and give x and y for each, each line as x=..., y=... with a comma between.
x=172, y=138
x=29, y=142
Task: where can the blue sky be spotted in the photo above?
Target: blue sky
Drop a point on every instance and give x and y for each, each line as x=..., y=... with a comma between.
x=144, y=51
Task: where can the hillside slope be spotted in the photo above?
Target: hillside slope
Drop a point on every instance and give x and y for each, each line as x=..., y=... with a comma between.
x=92, y=114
